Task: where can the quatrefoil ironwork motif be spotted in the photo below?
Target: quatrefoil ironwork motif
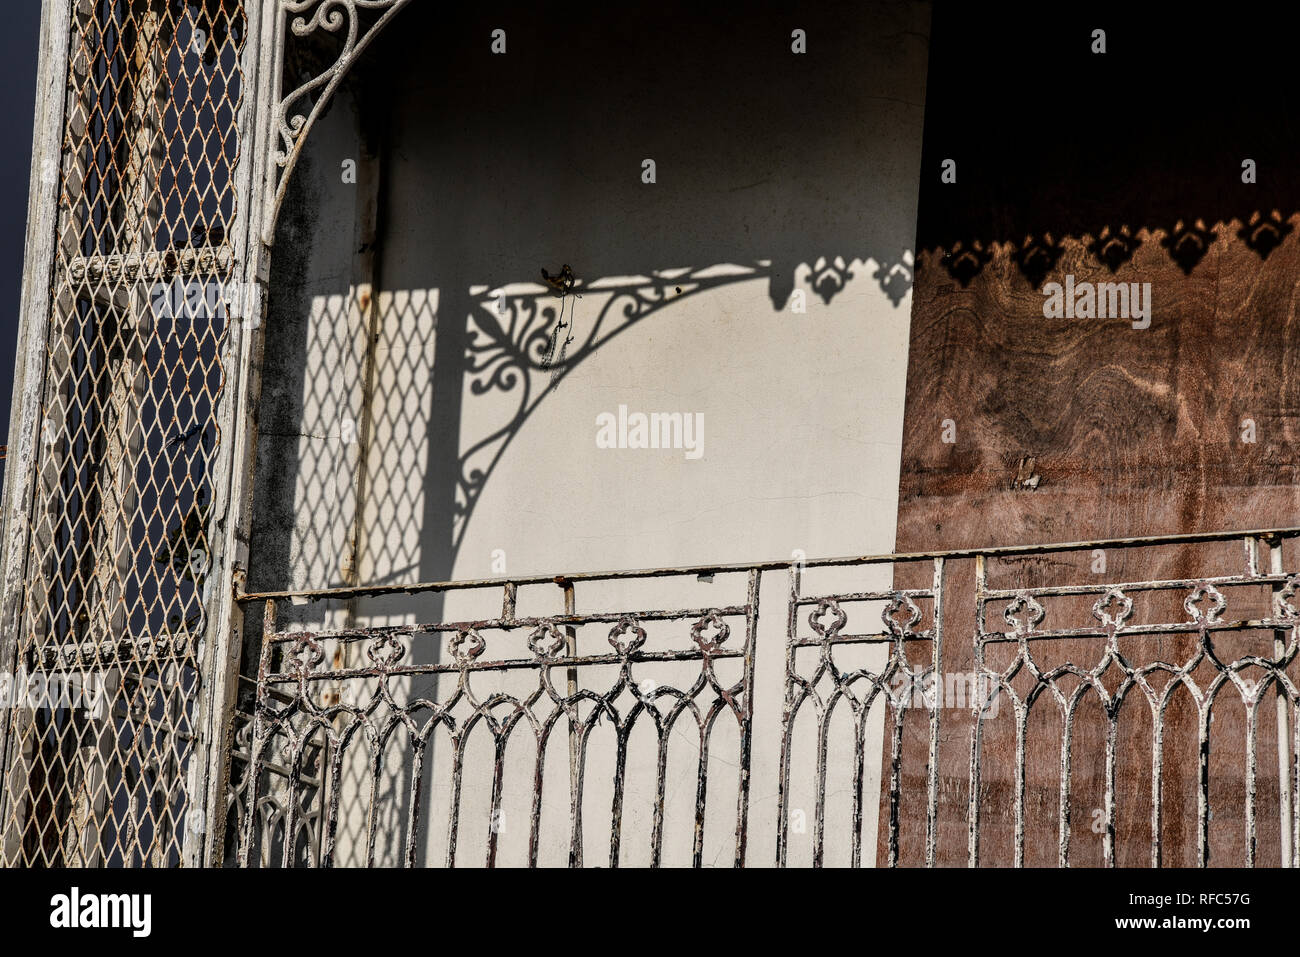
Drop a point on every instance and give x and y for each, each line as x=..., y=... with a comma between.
x=1198, y=594
x=465, y=646
x=900, y=602
x=1023, y=613
x=618, y=639
x=1115, y=598
x=721, y=631
x=546, y=641
x=838, y=619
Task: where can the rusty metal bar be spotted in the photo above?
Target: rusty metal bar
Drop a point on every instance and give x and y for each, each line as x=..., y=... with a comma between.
x=977, y=727
x=321, y=594
x=1127, y=587
x=575, y=761
x=256, y=753
x=1157, y=783
x=787, y=715
x=1108, y=836
x=747, y=719
x=936, y=673
x=1173, y=628
x=1285, y=807
x=365, y=634
x=1294, y=779
x=1251, y=763
x=1203, y=790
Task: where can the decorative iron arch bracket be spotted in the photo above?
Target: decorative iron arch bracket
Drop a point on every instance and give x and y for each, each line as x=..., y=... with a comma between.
x=294, y=113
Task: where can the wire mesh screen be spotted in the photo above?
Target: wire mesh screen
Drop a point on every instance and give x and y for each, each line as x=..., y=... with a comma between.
x=143, y=289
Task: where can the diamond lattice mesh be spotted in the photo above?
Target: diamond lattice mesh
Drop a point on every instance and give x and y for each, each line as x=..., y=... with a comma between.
x=141, y=299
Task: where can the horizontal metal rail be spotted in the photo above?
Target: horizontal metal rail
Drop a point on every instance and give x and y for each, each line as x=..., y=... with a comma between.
x=361, y=591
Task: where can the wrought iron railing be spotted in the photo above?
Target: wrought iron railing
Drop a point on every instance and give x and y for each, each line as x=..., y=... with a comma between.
x=559, y=705
x=905, y=729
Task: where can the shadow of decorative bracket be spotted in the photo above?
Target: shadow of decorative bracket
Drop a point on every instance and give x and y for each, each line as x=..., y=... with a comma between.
x=294, y=114
x=506, y=352
x=507, y=346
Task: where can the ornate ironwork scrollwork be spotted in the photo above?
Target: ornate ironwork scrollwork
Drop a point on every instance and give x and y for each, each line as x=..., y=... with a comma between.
x=298, y=110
